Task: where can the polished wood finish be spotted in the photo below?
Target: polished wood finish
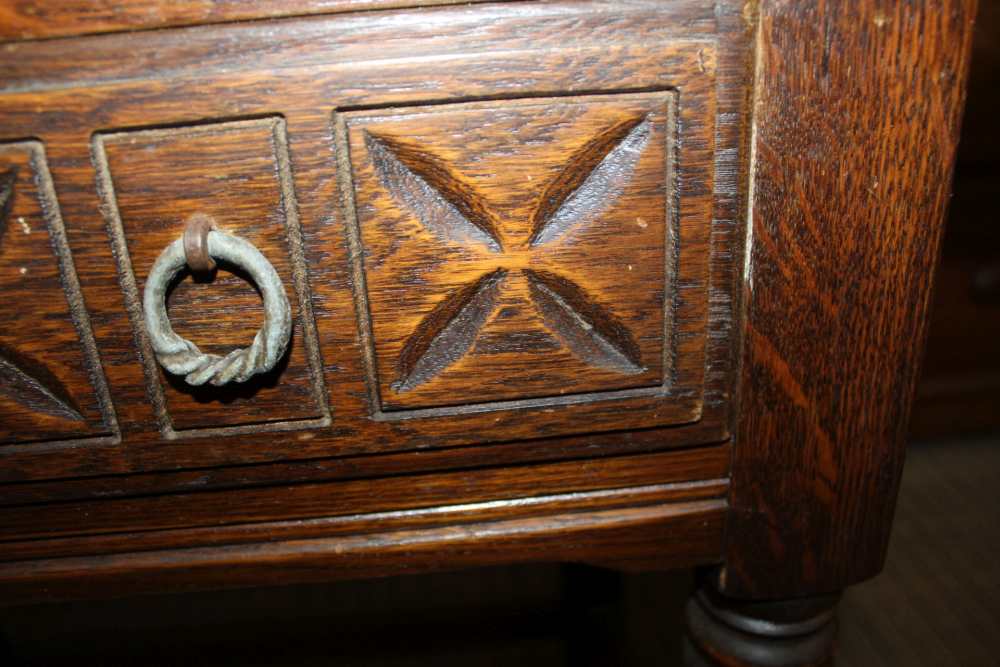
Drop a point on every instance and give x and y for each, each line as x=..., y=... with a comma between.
x=480, y=247
x=181, y=83
x=556, y=298
x=856, y=119
x=705, y=470
x=44, y=19
x=50, y=382
x=237, y=173
x=349, y=468
x=682, y=533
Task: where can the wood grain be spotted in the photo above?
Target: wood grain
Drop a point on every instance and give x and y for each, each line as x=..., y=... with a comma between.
x=452, y=200
x=323, y=526
x=681, y=534
x=609, y=108
x=501, y=30
x=686, y=463
x=301, y=501
x=43, y=19
x=623, y=248
x=310, y=71
x=51, y=387
x=152, y=182
x=856, y=121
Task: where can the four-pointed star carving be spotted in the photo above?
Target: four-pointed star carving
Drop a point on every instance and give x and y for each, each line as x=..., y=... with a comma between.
x=590, y=181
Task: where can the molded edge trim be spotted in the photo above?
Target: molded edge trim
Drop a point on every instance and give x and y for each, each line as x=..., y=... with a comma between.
x=674, y=534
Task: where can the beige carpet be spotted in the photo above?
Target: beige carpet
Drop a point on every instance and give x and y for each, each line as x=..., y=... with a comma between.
x=937, y=603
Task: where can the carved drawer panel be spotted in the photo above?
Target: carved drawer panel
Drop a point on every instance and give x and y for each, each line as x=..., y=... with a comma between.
x=51, y=386
x=512, y=248
x=516, y=250
x=238, y=174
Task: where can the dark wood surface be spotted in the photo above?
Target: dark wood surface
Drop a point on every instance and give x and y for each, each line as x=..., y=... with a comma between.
x=699, y=473
x=236, y=173
x=856, y=119
x=349, y=468
x=313, y=71
x=50, y=382
x=680, y=534
x=595, y=327
x=46, y=19
x=513, y=235
x=485, y=285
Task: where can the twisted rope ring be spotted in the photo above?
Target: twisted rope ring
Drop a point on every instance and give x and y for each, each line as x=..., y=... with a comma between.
x=182, y=357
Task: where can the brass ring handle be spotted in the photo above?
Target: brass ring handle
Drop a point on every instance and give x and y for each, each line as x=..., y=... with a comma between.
x=182, y=357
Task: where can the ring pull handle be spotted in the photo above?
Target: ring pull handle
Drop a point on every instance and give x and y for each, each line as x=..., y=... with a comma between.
x=198, y=248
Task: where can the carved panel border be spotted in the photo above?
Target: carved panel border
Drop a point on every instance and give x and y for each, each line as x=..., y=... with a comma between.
x=647, y=52
x=548, y=290
x=299, y=284
x=675, y=169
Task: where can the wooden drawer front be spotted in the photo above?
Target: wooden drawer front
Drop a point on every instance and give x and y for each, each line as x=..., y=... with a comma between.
x=238, y=174
x=51, y=387
x=528, y=230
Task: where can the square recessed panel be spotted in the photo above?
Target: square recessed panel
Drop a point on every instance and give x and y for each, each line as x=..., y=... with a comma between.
x=515, y=250
x=237, y=173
